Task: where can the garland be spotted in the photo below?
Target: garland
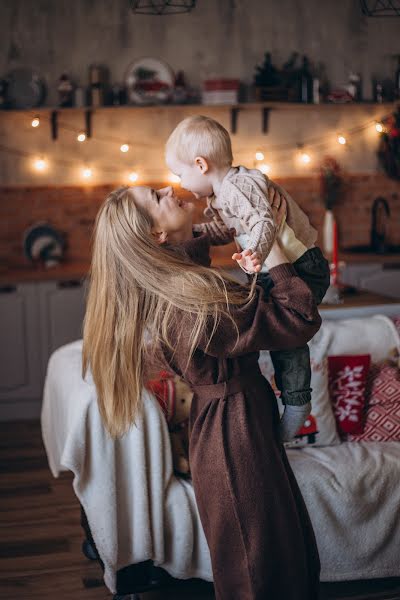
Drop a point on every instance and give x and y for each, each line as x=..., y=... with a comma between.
x=389, y=145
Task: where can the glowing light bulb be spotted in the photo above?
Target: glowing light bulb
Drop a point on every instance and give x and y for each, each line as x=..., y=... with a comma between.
x=87, y=173
x=379, y=127
x=133, y=176
x=81, y=137
x=259, y=155
x=35, y=122
x=174, y=178
x=305, y=158
x=264, y=168
x=40, y=164
x=342, y=140
x=124, y=148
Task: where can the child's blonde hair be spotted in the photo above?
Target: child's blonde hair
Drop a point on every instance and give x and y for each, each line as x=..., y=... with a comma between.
x=200, y=136
x=137, y=290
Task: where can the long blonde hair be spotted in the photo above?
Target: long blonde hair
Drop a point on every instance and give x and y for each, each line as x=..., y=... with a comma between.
x=136, y=288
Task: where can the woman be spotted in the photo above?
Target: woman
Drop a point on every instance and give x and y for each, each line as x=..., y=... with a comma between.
x=153, y=293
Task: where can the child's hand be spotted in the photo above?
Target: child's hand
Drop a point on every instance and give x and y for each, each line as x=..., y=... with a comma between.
x=248, y=260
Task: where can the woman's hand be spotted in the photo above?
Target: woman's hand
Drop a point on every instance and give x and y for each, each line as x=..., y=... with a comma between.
x=278, y=205
x=250, y=260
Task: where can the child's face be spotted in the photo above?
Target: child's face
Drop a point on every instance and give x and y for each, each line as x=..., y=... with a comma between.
x=193, y=177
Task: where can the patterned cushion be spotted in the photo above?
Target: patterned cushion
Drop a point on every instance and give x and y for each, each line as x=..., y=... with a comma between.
x=382, y=419
x=347, y=385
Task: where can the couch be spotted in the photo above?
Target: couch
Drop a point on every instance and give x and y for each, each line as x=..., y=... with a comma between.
x=139, y=511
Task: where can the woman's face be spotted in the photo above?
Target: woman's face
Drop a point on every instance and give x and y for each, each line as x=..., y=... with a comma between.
x=171, y=216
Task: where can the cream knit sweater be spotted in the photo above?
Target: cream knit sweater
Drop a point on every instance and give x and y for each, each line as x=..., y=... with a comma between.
x=242, y=212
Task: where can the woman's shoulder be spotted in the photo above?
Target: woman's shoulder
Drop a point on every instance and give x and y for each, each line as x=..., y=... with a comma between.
x=197, y=248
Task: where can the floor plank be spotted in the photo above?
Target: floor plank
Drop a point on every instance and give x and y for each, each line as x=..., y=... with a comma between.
x=41, y=537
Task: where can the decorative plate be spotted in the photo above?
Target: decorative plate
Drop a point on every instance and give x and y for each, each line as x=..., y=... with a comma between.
x=43, y=243
x=149, y=81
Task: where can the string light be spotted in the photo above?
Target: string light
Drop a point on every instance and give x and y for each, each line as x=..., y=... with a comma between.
x=264, y=168
x=87, y=173
x=173, y=178
x=40, y=164
x=305, y=158
x=133, y=176
x=318, y=144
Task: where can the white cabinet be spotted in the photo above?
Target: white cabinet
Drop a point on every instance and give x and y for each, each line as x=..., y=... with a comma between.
x=375, y=278
x=35, y=320
x=20, y=351
x=62, y=309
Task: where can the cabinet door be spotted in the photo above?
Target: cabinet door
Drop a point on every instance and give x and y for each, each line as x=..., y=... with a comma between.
x=20, y=356
x=62, y=309
x=385, y=282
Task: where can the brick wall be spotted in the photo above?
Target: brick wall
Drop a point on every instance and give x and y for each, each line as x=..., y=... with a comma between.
x=72, y=210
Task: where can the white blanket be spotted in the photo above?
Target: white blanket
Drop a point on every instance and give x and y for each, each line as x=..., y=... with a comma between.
x=138, y=510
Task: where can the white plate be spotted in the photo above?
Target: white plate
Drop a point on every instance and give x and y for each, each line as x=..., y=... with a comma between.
x=149, y=81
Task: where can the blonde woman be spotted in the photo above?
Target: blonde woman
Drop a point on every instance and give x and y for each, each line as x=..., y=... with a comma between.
x=153, y=296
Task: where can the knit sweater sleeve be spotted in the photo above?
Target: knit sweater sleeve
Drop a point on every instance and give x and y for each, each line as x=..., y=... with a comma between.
x=216, y=230
x=245, y=200
x=286, y=319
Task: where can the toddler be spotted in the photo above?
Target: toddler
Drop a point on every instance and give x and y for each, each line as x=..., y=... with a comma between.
x=239, y=203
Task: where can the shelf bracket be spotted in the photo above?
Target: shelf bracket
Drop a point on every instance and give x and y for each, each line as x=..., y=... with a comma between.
x=234, y=118
x=88, y=123
x=54, y=124
x=265, y=119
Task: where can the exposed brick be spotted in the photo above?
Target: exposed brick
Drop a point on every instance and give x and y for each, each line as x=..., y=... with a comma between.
x=72, y=210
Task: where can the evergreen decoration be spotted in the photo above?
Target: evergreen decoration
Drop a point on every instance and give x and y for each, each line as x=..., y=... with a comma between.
x=389, y=145
x=331, y=179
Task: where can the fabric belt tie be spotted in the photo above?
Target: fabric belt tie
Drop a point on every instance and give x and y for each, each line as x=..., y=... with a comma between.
x=232, y=386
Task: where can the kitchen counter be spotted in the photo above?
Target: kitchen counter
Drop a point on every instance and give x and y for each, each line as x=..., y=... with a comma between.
x=364, y=258
x=25, y=272
x=14, y=274
x=360, y=298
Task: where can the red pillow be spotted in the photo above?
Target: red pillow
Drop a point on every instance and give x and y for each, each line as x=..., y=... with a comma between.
x=396, y=321
x=347, y=383
x=382, y=422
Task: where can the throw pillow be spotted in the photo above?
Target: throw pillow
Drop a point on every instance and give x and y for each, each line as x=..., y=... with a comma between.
x=347, y=386
x=382, y=419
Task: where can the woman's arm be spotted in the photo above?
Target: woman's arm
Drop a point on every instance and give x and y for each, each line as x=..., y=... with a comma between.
x=287, y=318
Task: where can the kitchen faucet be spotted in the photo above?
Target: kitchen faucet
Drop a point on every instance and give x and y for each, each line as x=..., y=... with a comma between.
x=380, y=215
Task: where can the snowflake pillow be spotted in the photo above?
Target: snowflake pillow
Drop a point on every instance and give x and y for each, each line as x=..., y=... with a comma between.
x=347, y=385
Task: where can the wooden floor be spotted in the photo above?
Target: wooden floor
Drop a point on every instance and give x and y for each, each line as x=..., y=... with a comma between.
x=40, y=535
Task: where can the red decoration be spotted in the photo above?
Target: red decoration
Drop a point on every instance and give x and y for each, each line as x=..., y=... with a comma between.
x=389, y=146
x=163, y=389
x=347, y=383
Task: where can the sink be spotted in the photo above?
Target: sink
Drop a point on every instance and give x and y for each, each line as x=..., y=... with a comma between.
x=389, y=249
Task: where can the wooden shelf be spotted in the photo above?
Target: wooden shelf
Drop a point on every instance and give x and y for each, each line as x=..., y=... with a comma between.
x=385, y=107
x=235, y=110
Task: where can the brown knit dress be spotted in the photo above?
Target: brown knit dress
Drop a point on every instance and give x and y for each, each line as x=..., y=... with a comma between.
x=261, y=540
